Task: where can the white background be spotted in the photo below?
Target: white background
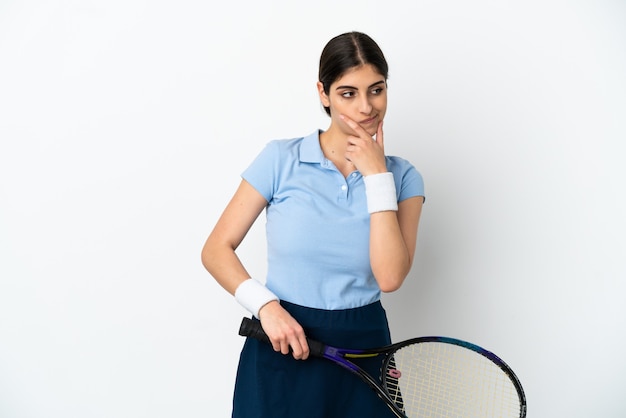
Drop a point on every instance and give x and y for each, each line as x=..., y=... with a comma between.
x=124, y=126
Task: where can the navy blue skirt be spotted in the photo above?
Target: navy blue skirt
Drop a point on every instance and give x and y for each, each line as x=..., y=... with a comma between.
x=273, y=385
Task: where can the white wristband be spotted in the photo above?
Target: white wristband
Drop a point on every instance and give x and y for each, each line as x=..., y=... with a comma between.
x=253, y=295
x=380, y=190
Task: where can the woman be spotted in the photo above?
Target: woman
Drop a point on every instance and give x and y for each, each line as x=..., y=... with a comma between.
x=342, y=222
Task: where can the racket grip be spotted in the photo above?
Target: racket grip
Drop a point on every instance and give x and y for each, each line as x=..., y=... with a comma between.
x=252, y=328
x=316, y=348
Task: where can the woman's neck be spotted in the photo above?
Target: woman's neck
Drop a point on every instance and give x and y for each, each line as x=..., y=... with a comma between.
x=334, y=144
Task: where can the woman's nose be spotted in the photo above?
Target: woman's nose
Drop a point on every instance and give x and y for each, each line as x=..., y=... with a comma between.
x=365, y=106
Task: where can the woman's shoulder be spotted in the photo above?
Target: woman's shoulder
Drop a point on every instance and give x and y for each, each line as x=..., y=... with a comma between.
x=409, y=181
x=284, y=143
x=293, y=141
x=399, y=163
x=294, y=147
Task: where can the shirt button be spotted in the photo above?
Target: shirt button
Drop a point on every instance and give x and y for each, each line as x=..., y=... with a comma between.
x=344, y=187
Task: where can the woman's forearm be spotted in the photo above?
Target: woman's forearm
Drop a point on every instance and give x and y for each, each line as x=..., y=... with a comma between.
x=393, y=237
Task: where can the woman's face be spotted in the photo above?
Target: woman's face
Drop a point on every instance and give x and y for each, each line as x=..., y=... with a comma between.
x=361, y=95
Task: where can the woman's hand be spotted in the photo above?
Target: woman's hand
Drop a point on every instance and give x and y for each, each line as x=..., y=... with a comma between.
x=367, y=154
x=284, y=331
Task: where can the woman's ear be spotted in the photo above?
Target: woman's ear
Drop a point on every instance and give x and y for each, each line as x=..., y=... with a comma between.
x=323, y=96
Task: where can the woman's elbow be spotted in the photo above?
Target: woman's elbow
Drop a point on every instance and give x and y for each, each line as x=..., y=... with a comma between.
x=389, y=283
x=389, y=288
x=391, y=279
x=208, y=255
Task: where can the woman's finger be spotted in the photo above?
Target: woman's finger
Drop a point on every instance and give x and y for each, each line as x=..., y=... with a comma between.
x=355, y=127
x=380, y=140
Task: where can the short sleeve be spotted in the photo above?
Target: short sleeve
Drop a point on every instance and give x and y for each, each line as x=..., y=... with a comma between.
x=262, y=172
x=409, y=181
x=412, y=185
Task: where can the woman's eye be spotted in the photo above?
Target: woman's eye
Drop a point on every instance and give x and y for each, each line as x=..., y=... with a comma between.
x=377, y=90
x=347, y=94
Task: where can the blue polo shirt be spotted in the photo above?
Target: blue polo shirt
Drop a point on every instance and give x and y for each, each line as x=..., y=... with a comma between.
x=317, y=224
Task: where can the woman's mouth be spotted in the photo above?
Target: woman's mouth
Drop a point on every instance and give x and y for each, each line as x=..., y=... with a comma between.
x=368, y=121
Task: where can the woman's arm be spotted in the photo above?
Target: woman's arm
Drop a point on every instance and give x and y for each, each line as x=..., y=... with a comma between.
x=393, y=234
x=221, y=261
x=218, y=253
x=393, y=237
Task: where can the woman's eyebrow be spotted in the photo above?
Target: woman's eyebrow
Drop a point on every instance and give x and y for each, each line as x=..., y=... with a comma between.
x=354, y=88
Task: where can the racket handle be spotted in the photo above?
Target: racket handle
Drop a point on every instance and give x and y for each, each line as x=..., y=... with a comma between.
x=252, y=328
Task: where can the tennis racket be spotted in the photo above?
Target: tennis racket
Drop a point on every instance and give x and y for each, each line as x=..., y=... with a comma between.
x=429, y=376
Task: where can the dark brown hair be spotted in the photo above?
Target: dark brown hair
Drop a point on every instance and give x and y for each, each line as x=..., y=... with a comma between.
x=347, y=51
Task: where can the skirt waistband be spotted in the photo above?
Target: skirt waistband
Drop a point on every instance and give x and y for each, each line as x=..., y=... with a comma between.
x=348, y=328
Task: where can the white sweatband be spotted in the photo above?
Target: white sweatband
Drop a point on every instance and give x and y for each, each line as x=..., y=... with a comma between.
x=380, y=190
x=253, y=295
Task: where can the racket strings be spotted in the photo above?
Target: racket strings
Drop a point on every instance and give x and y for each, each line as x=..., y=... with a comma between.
x=392, y=384
x=444, y=380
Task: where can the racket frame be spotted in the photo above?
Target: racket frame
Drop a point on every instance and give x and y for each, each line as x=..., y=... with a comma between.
x=341, y=356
